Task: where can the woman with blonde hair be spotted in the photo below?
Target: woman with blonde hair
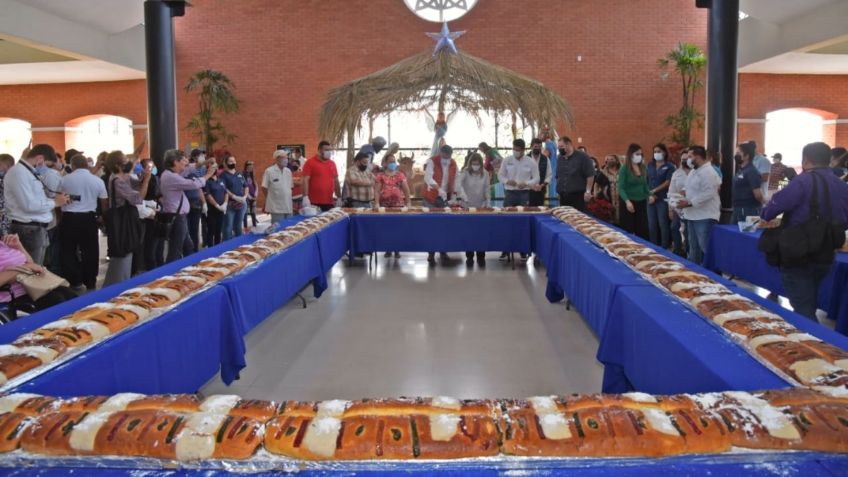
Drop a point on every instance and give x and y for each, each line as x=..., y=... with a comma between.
x=472, y=186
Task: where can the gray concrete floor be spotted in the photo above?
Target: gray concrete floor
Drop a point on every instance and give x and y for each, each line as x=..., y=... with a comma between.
x=407, y=329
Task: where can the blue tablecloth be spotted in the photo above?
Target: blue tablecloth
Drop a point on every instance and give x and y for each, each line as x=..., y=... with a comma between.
x=546, y=229
x=441, y=233
x=735, y=253
x=333, y=244
x=802, y=464
x=156, y=357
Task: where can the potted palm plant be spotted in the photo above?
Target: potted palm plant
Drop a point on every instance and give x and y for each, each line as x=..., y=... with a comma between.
x=688, y=61
x=216, y=97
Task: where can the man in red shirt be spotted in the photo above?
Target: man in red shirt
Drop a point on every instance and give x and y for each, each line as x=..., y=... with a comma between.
x=321, y=179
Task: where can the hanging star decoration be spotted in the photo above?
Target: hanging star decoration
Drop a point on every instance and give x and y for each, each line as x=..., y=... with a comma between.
x=445, y=39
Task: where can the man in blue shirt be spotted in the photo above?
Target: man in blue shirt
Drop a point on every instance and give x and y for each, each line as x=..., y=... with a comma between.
x=802, y=283
x=747, y=185
x=660, y=170
x=237, y=194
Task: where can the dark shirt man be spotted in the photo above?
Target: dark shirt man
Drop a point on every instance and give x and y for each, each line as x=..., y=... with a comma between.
x=802, y=283
x=575, y=175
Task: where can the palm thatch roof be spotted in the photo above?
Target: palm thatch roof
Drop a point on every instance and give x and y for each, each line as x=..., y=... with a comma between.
x=460, y=80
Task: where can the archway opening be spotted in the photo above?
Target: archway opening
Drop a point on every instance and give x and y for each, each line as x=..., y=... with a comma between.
x=789, y=130
x=99, y=132
x=15, y=135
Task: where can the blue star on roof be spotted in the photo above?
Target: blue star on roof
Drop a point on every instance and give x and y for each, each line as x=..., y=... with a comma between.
x=445, y=39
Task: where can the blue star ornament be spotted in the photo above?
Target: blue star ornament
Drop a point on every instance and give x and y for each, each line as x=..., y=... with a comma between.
x=445, y=39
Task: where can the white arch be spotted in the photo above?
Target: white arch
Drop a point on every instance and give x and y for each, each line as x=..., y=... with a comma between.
x=99, y=132
x=15, y=134
x=789, y=130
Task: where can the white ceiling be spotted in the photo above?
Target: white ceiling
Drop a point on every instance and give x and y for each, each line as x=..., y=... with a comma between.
x=796, y=63
x=66, y=72
x=779, y=11
x=110, y=16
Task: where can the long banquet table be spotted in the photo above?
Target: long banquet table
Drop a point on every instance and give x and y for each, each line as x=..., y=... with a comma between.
x=735, y=253
x=648, y=341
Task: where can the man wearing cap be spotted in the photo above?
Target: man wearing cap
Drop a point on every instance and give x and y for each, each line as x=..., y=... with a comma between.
x=277, y=187
x=27, y=204
x=440, y=179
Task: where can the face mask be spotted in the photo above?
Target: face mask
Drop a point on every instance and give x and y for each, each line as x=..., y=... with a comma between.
x=127, y=167
x=690, y=163
x=637, y=159
x=293, y=166
x=517, y=154
x=231, y=166
x=41, y=170
x=536, y=152
x=738, y=158
x=658, y=156
x=562, y=151
x=362, y=167
x=201, y=159
x=154, y=171
x=392, y=166
x=475, y=167
x=327, y=155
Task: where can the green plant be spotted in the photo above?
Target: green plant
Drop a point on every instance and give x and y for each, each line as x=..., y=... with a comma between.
x=688, y=61
x=216, y=97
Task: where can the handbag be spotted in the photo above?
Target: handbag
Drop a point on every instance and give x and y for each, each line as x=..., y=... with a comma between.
x=164, y=222
x=38, y=284
x=124, y=230
x=814, y=241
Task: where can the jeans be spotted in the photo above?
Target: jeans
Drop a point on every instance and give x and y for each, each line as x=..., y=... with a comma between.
x=33, y=238
x=699, y=237
x=120, y=269
x=53, y=255
x=233, y=222
x=516, y=198
x=659, y=228
x=676, y=235
x=277, y=218
x=214, y=227
x=193, y=221
x=250, y=212
x=801, y=285
x=80, y=248
x=739, y=213
x=179, y=232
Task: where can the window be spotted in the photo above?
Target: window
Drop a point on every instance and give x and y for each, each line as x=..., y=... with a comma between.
x=93, y=134
x=14, y=136
x=789, y=130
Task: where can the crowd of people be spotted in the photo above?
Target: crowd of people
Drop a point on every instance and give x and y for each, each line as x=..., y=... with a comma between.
x=53, y=205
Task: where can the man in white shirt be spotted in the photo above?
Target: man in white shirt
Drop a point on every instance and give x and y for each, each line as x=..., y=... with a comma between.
x=701, y=207
x=519, y=174
x=78, y=229
x=27, y=204
x=277, y=187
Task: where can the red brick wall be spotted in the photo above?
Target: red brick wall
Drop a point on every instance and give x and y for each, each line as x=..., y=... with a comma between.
x=760, y=94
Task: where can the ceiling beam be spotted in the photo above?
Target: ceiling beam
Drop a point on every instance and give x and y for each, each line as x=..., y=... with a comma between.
x=33, y=27
x=760, y=40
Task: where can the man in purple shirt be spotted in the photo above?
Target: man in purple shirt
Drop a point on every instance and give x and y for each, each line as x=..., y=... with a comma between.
x=802, y=283
x=174, y=201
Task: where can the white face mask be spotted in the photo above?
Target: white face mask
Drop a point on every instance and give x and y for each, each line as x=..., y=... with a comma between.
x=637, y=159
x=517, y=154
x=658, y=156
x=690, y=163
x=475, y=167
x=328, y=154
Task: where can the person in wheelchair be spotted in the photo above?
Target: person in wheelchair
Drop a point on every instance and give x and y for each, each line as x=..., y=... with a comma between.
x=13, y=296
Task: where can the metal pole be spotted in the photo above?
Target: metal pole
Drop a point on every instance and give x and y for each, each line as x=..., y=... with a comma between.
x=161, y=76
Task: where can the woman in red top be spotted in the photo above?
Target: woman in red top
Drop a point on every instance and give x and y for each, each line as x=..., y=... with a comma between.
x=391, y=188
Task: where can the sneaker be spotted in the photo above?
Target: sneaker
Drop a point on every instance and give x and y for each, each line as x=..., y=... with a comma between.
x=504, y=257
x=388, y=254
x=469, y=262
x=431, y=258
x=397, y=254
x=445, y=257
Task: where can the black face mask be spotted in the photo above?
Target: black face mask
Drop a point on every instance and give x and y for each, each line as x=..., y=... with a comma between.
x=562, y=151
x=292, y=166
x=231, y=166
x=536, y=152
x=127, y=167
x=738, y=158
x=362, y=168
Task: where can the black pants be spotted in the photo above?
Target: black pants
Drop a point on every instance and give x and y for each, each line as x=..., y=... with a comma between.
x=80, y=248
x=251, y=212
x=154, y=247
x=636, y=222
x=574, y=199
x=323, y=208
x=54, y=297
x=193, y=221
x=214, y=227
x=537, y=198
